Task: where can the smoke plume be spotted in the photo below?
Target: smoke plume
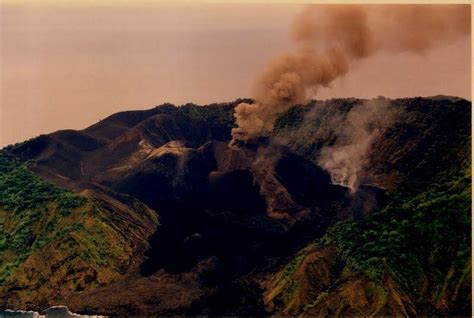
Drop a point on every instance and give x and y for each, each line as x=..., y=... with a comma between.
x=346, y=158
x=331, y=39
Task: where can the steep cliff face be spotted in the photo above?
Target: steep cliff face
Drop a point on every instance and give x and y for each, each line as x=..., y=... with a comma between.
x=121, y=217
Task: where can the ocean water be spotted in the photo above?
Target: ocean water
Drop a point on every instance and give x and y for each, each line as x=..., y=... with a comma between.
x=52, y=312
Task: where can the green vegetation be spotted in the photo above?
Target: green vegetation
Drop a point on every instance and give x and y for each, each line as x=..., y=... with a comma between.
x=411, y=235
x=286, y=281
x=42, y=225
x=24, y=200
x=20, y=189
x=415, y=252
x=422, y=238
x=425, y=229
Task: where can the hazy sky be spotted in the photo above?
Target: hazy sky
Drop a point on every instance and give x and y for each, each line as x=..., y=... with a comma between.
x=69, y=66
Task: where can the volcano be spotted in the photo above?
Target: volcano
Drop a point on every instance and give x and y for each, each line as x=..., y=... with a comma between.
x=155, y=212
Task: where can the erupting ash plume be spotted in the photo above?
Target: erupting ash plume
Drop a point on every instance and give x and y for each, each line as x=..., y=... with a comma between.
x=331, y=39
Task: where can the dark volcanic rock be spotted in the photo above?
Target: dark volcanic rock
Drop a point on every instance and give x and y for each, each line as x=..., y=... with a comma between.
x=224, y=212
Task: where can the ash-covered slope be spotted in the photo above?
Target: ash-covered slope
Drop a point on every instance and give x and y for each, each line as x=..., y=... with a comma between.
x=230, y=218
x=71, y=157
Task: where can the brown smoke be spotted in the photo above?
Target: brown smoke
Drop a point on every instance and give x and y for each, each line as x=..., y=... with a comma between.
x=331, y=39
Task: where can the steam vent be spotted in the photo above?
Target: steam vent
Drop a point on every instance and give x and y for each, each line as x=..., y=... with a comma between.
x=339, y=186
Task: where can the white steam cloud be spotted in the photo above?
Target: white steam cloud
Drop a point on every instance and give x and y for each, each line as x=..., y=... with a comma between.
x=347, y=157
